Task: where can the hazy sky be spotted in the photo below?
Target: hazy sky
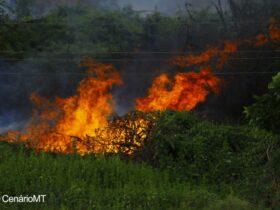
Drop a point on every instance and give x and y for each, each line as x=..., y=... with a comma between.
x=167, y=5
x=139, y=5
x=164, y=6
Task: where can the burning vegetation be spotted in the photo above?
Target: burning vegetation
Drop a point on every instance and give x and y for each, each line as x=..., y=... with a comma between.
x=80, y=123
x=83, y=123
x=182, y=93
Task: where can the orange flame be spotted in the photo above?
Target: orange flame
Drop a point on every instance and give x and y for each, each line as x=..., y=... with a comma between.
x=210, y=53
x=80, y=123
x=184, y=92
x=186, y=61
x=273, y=34
x=189, y=89
x=55, y=124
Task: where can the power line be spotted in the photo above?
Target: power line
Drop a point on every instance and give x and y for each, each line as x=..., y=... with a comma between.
x=122, y=59
x=130, y=74
x=133, y=53
x=185, y=23
x=245, y=73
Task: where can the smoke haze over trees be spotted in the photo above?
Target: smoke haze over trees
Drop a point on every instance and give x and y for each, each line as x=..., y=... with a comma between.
x=43, y=54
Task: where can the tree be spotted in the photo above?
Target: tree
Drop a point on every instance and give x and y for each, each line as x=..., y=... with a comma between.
x=4, y=7
x=23, y=8
x=250, y=16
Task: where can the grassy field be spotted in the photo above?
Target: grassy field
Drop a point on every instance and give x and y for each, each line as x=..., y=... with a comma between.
x=75, y=182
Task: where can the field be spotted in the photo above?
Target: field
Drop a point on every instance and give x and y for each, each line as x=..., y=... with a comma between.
x=74, y=182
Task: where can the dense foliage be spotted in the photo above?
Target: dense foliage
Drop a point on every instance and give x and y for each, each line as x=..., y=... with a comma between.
x=199, y=151
x=265, y=112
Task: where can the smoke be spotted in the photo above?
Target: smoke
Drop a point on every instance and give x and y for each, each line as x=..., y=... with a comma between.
x=8, y=123
x=18, y=80
x=13, y=96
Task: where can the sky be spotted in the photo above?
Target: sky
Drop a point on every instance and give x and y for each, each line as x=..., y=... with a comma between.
x=167, y=6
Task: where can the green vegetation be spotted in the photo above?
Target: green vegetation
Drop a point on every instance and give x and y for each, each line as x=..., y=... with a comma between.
x=188, y=163
x=208, y=153
x=75, y=182
x=82, y=31
x=265, y=112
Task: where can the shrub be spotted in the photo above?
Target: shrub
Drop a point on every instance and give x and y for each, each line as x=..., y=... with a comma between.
x=199, y=151
x=265, y=112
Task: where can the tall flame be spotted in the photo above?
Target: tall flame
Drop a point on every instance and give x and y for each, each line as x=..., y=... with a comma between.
x=55, y=124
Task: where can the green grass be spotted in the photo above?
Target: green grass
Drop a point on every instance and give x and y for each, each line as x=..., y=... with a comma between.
x=75, y=182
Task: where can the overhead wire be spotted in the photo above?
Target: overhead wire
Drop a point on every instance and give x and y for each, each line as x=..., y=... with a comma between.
x=129, y=74
x=133, y=52
x=70, y=23
x=122, y=59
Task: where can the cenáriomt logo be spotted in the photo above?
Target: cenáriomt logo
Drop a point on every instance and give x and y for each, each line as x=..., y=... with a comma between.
x=23, y=199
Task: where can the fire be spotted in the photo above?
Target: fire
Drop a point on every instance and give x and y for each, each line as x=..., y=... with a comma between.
x=186, y=90
x=81, y=123
x=182, y=61
x=55, y=124
x=229, y=48
x=183, y=92
x=93, y=104
x=272, y=36
x=186, y=61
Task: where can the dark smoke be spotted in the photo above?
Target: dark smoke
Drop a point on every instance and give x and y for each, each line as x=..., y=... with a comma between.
x=18, y=80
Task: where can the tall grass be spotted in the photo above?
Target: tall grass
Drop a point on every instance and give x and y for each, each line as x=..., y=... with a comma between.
x=75, y=182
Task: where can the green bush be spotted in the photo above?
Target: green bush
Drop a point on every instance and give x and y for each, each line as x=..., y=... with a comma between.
x=199, y=151
x=265, y=112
